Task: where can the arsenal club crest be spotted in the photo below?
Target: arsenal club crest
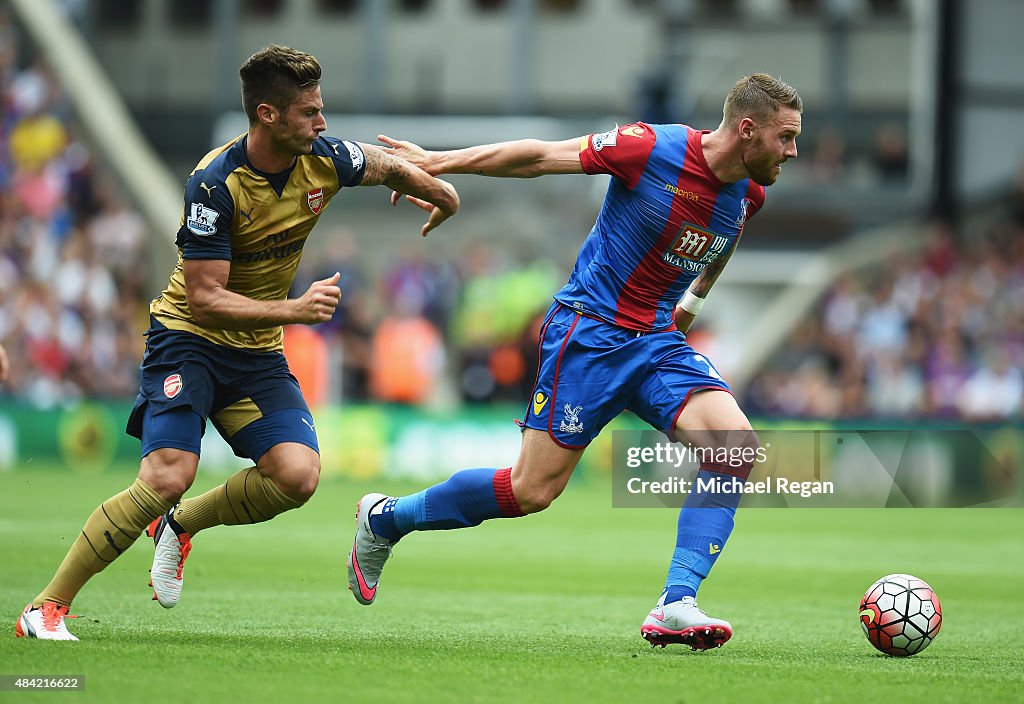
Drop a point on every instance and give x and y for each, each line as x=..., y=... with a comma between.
x=172, y=385
x=315, y=201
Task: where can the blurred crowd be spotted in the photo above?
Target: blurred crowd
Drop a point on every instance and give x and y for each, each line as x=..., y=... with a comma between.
x=73, y=277
x=440, y=330
x=939, y=335
x=71, y=252
x=881, y=158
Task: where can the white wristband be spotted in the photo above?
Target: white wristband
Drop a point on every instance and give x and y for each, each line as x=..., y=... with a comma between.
x=691, y=303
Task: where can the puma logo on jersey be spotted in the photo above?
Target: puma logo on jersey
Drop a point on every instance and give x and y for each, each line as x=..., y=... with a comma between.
x=208, y=189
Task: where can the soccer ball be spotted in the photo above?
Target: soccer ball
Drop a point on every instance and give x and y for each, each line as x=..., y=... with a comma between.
x=900, y=615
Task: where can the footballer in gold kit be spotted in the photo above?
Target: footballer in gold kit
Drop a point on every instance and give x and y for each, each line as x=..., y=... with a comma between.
x=214, y=346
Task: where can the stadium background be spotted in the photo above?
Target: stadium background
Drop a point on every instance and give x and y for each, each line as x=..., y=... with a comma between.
x=883, y=282
x=882, y=287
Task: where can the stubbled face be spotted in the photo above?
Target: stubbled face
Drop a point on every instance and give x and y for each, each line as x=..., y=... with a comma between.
x=769, y=145
x=298, y=127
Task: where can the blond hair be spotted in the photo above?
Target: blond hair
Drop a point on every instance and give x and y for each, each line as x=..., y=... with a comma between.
x=759, y=96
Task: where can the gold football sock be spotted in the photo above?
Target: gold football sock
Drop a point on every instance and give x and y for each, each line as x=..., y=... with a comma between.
x=109, y=531
x=246, y=497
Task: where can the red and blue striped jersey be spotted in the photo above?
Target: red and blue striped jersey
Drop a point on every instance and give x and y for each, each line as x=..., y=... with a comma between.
x=665, y=217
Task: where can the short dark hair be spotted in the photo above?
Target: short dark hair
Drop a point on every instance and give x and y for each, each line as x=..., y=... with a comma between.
x=759, y=96
x=276, y=75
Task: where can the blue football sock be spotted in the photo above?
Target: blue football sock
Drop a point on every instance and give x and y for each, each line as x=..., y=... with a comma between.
x=705, y=523
x=465, y=499
x=675, y=593
x=383, y=523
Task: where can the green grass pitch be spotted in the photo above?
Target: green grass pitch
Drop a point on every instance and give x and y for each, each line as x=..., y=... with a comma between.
x=542, y=609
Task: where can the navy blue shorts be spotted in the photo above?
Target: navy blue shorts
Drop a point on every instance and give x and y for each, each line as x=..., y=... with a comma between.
x=252, y=398
x=590, y=371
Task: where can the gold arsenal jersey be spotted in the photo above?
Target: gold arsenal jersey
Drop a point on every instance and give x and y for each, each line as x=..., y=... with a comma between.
x=257, y=221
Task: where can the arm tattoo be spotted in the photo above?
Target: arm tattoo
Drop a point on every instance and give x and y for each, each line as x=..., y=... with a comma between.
x=703, y=283
x=707, y=278
x=383, y=168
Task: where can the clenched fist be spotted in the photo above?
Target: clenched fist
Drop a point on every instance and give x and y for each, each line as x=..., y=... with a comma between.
x=317, y=304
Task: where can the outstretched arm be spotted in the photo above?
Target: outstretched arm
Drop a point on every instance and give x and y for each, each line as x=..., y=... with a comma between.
x=437, y=197
x=524, y=158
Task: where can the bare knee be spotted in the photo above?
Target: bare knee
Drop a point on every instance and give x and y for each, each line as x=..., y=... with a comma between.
x=713, y=420
x=302, y=484
x=541, y=471
x=294, y=469
x=169, y=472
x=535, y=496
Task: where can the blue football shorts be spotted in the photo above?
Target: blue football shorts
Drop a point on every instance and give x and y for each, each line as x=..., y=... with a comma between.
x=251, y=398
x=590, y=371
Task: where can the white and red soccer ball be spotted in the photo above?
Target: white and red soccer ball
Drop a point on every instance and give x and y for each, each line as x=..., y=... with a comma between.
x=900, y=615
